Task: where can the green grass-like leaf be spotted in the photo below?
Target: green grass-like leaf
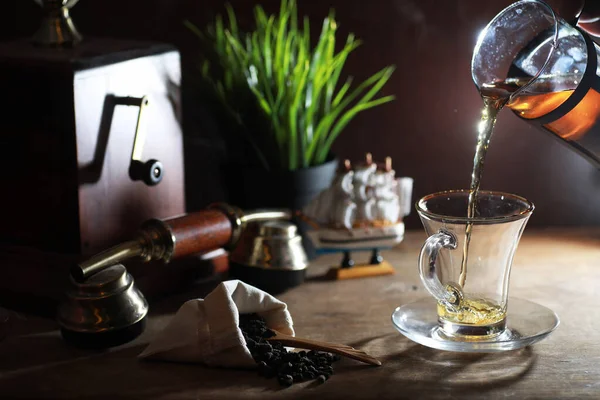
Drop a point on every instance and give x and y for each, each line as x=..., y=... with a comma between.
x=280, y=90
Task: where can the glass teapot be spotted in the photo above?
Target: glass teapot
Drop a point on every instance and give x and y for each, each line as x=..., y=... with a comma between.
x=549, y=68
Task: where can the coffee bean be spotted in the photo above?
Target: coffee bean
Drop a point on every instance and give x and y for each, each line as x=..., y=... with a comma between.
x=274, y=360
x=285, y=367
x=268, y=333
x=308, y=375
x=264, y=348
x=285, y=380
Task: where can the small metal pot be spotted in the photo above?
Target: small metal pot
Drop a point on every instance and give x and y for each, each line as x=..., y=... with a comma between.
x=272, y=260
x=105, y=310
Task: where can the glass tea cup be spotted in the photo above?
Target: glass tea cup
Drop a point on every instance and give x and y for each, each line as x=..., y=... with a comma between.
x=472, y=298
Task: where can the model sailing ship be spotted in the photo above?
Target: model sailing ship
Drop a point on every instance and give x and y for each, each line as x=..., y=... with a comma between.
x=362, y=209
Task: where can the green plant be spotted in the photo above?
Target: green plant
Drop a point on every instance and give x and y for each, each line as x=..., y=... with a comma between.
x=293, y=85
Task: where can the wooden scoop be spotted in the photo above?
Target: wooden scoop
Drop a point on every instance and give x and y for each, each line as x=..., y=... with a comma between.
x=341, y=349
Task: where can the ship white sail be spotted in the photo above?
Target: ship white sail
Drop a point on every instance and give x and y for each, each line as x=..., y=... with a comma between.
x=386, y=204
x=404, y=187
x=362, y=207
x=363, y=196
x=334, y=206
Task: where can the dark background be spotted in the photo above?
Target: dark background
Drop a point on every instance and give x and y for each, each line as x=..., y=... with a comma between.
x=429, y=130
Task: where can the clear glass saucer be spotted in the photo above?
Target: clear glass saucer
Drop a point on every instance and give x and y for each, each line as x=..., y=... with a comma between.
x=526, y=324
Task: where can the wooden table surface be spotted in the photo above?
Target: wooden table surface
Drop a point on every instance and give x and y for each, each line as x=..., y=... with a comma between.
x=558, y=268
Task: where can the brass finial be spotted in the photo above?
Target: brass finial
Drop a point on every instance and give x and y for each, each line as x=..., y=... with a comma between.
x=388, y=164
x=347, y=165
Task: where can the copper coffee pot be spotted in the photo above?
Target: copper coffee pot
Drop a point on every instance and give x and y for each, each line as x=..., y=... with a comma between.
x=103, y=308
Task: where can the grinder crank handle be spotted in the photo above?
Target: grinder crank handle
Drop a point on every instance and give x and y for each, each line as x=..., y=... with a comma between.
x=221, y=225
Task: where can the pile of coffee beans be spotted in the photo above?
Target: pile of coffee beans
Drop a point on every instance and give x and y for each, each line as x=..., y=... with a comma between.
x=275, y=361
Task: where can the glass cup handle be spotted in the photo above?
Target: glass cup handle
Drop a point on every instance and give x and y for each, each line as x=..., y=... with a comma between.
x=450, y=295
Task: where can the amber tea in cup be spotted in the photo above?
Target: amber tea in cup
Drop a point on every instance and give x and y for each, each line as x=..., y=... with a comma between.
x=472, y=296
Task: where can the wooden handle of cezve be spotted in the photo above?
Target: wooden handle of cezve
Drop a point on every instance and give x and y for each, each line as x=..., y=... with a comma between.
x=199, y=232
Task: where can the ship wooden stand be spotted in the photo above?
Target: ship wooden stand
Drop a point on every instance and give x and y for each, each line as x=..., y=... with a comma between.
x=377, y=266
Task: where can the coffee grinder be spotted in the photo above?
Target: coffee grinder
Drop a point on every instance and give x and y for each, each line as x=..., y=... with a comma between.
x=92, y=146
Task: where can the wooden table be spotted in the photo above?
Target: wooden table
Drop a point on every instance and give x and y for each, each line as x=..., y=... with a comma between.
x=558, y=268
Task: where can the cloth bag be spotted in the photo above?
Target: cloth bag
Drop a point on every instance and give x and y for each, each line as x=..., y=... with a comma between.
x=206, y=330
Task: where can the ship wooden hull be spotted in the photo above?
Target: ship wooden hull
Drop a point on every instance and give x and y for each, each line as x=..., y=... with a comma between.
x=357, y=238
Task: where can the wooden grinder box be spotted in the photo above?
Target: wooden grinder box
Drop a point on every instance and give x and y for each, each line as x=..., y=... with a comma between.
x=66, y=142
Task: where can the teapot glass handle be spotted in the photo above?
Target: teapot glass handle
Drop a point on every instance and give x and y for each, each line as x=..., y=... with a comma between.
x=450, y=295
